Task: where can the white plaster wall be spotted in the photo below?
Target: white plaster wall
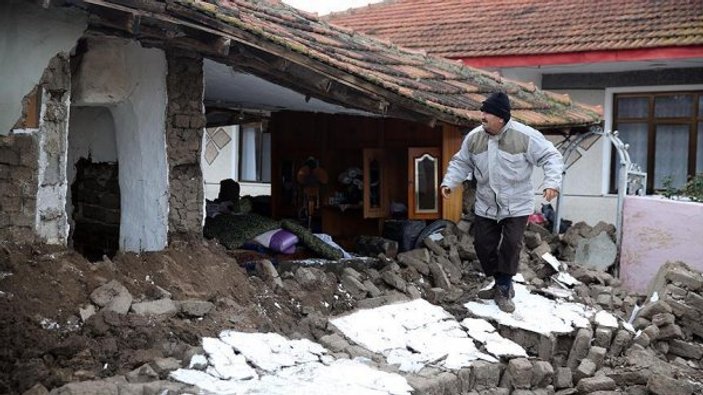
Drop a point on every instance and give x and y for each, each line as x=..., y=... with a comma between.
x=227, y=166
x=254, y=189
x=224, y=166
x=140, y=123
x=109, y=82
x=91, y=134
x=29, y=37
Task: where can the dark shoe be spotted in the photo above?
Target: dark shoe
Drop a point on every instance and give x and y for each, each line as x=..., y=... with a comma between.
x=490, y=293
x=504, y=300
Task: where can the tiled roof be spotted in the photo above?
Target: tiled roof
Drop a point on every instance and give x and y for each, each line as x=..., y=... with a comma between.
x=478, y=28
x=443, y=89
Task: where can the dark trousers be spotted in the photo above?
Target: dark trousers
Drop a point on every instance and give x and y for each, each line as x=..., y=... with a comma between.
x=498, y=244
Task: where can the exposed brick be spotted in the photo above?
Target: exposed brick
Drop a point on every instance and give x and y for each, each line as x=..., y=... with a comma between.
x=579, y=348
x=691, y=280
x=542, y=374
x=11, y=204
x=662, y=319
x=695, y=300
x=603, y=337
x=622, y=339
x=181, y=121
x=674, y=291
x=563, y=378
x=685, y=349
x=593, y=384
x=520, y=370
x=660, y=384
x=9, y=156
x=671, y=331
x=653, y=308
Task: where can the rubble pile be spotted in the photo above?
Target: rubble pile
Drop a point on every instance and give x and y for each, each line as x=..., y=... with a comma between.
x=607, y=340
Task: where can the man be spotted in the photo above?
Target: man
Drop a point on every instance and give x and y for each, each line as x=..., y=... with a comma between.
x=501, y=154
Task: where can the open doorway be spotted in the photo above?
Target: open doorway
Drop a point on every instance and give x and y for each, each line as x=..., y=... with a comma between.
x=93, y=201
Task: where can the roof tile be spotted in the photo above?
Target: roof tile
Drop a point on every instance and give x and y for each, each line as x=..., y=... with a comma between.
x=445, y=88
x=475, y=28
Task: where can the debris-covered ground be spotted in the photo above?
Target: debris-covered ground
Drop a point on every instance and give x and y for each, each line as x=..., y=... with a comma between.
x=182, y=321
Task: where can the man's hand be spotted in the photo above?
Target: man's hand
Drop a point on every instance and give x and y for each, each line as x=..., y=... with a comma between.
x=445, y=191
x=549, y=194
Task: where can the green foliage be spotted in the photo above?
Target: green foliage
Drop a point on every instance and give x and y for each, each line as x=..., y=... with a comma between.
x=694, y=188
x=669, y=190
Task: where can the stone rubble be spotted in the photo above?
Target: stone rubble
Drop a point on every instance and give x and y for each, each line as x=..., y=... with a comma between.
x=633, y=343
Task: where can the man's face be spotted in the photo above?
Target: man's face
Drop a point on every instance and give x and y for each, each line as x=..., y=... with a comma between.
x=491, y=123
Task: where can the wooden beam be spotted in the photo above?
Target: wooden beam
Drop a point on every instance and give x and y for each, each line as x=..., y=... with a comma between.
x=193, y=19
x=222, y=45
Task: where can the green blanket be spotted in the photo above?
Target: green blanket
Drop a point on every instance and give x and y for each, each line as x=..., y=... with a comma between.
x=311, y=241
x=233, y=230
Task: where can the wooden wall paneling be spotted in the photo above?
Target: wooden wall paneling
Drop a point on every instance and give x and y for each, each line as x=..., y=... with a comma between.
x=451, y=143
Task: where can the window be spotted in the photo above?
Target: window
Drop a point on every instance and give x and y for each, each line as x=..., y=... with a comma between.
x=665, y=135
x=254, y=153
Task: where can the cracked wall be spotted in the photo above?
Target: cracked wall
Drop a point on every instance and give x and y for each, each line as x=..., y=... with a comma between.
x=33, y=165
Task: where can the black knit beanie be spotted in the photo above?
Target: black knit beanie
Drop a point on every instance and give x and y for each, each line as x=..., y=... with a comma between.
x=497, y=104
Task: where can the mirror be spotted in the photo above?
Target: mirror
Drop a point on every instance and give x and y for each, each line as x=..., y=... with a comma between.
x=426, y=170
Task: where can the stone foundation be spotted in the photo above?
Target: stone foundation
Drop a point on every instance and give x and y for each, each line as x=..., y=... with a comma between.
x=184, y=132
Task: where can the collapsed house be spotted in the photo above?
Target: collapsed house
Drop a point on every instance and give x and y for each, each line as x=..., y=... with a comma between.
x=103, y=122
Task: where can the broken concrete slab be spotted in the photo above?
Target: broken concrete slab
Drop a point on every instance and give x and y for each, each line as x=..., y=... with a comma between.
x=598, y=252
x=195, y=307
x=112, y=296
x=161, y=307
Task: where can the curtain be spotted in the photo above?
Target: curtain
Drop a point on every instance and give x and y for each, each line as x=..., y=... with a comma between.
x=266, y=158
x=635, y=135
x=247, y=171
x=671, y=158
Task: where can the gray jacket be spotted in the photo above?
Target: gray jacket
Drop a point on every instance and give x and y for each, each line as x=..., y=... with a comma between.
x=502, y=166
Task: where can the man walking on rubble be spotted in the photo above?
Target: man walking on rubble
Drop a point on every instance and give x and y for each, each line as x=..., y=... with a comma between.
x=501, y=155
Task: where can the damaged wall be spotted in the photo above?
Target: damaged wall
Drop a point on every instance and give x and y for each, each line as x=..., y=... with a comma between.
x=29, y=37
x=130, y=81
x=184, y=134
x=33, y=165
x=51, y=218
x=656, y=231
x=18, y=186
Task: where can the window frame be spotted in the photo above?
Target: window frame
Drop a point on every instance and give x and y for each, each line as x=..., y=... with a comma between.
x=260, y=130
x=652, y=122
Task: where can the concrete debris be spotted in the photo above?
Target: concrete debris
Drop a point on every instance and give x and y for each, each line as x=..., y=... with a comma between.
x=431, y=331
x=194, y=307
x=161, y=307
x=112, y=296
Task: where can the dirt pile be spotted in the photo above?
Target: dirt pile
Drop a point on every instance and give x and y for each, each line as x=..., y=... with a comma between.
x=49, y=336
x=139, y=316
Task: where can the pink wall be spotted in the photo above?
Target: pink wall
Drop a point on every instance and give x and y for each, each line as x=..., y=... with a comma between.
x=657, y=230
